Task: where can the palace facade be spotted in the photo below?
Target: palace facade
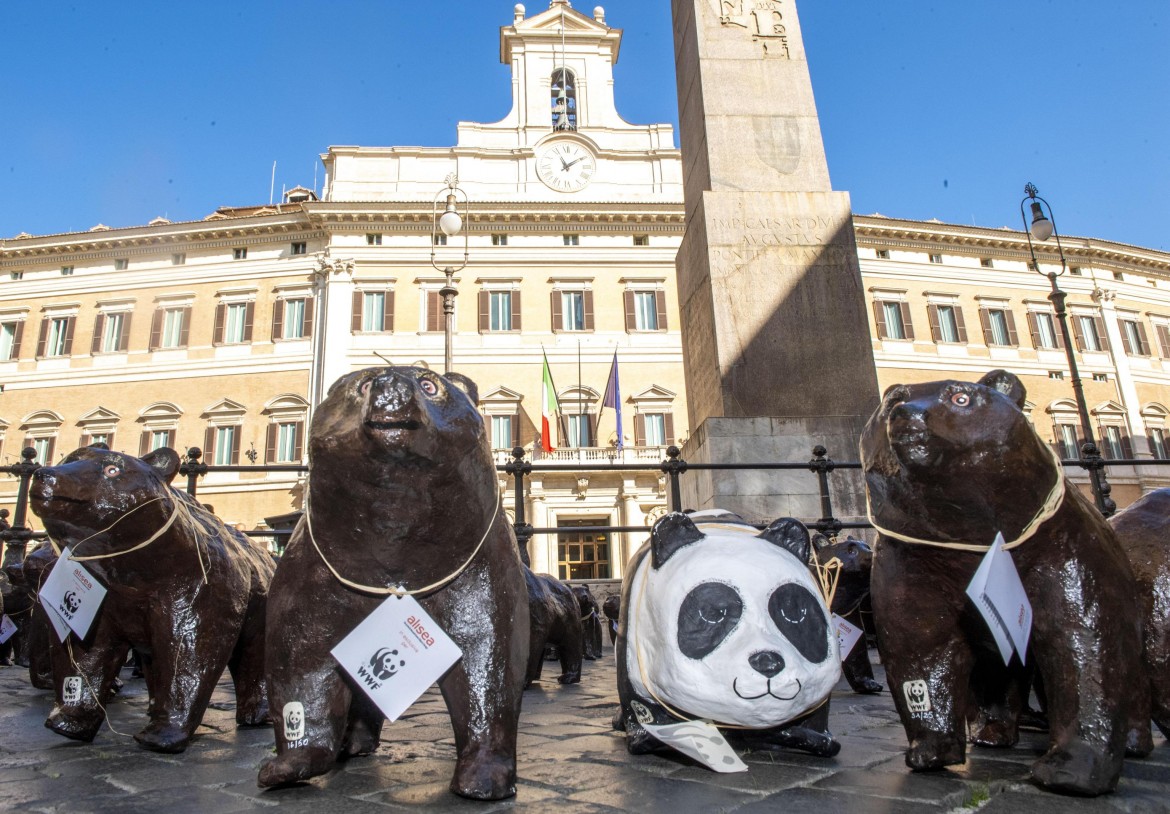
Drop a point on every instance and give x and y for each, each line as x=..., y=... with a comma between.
x=224, y=333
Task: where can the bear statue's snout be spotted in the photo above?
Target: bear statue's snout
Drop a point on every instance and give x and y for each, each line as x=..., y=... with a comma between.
x=44, y=481
x=767, y=663
x=392, y=402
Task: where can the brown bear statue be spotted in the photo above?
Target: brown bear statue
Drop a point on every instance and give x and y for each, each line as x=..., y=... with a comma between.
x=948, y=464
x=402, y=491
x=554, y=616
x=193, y=598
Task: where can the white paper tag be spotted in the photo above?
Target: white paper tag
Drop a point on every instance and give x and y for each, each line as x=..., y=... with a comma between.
x=700, y=741
x=57, y=622
x=847, y=635
x=917, y=695
x=396, y=653
x=999, y=595
x=73, y=593
x=293, y=717
x=7, y=628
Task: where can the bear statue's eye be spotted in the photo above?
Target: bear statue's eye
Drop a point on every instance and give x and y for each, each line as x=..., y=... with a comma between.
x=111, y=470
x=960, y=399
x=800, y=616
x=364, y=387
x=707, y=616
x=428, y=386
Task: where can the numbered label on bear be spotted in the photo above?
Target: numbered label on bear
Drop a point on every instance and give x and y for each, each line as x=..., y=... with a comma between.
x=73, y=593
x=293, y=716
x=702, y=742
x=7, y=628
x=917, y=696
x=396, y=653
x=71, y=690
x=847, y=635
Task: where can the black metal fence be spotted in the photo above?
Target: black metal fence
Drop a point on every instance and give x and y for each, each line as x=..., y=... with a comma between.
x=15, y=532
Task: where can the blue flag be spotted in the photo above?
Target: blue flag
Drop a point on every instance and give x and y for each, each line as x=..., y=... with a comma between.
x=613, y=398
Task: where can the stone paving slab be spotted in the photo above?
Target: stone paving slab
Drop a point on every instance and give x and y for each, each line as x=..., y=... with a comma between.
x=570, y=762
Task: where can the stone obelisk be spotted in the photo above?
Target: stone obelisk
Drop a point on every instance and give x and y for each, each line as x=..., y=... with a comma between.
x=776, y=345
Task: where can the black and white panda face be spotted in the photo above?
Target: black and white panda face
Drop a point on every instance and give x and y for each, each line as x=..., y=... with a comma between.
x=731, y=628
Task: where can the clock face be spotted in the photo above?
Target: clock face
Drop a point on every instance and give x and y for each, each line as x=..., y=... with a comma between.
x=565, y=166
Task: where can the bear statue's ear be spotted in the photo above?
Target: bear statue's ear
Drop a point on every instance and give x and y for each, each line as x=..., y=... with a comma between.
x=670, y=533
x=165, y=461
x=1006, y=383
x=819, y=540
x=791, y=535
x=465, y=384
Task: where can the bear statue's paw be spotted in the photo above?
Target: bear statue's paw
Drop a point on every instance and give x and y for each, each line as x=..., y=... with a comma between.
x=1077, y=768
x=360, y=740
x=1138, y=741
x=570, y=678
x=82, y=725
x=618, y=721
x=163, y=737
x=253, y=714
x=295, y=766
x=865, y=686
x=996, y=734
x=485, y=777
x=934, y=751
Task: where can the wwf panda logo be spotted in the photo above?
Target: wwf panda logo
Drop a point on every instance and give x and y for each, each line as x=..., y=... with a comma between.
x=727, y=624
x=294, y=720
x=383, y=663
x=72, y=603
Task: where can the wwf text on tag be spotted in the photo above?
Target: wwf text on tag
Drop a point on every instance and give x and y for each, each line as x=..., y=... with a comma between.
x=73, y=593
x=396, y=653
x=700, y=741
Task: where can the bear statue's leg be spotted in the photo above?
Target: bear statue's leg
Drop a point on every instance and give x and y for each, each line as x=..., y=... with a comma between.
x=191, y=645
x=917, y=605
x=88, y=670
x=856, y=667
x=1158, y=666
x=538, y=635
x=485, y=613
x=363, y=728
x=246, y=666
x=1086, y=658
x=998, y=697
x=571, y=649
x=808, y=734
x=42, y=644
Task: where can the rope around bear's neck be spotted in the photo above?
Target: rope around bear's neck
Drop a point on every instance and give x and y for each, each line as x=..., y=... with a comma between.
x=1047, y=509
x=393, y=590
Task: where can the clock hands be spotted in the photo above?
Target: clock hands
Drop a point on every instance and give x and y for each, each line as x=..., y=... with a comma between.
x=574, y=161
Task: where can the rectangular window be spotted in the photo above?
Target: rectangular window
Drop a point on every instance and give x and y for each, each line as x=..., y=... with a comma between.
x=294, y=320
x=9, y=340
x=655, y=430
x=948, y=323
x=16, y=275
x=1100, y=377
x=286, y=442
x=56, y=342
x=172, y=328
x=299, y=248
x=936, y=258
x=1113, y=443
x=645, y=311
x=583, y=554
x=225, y=445
x=987, y=262
x=1133, y=336
x=572, y=310
x=1117, y=275
x=641, y=240
x=1070, y=446
x=96, y=438
x=499, y=240
x=235, y=322
x=502, y=432
x=1158, y=443
x=1075, y=271
x=439, y=239
x=159, y=439
x=572, y=240
x=500, y=310
x=112, y=332
x=179, y=259
x=892, y=314
x=1056, y=375
x=579, y=426
x=240, y=254
x=373, y=310
x=66, y=271
x=44, y=448
x=1044, y=335
x=1087, y=333
x=373, y=239
x=883, y=254
x=997, y=327
x=121, y=264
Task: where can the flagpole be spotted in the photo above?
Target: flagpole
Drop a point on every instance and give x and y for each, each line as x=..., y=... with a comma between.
x=580, y=393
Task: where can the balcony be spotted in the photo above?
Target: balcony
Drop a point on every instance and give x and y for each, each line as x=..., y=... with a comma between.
x=589, y=456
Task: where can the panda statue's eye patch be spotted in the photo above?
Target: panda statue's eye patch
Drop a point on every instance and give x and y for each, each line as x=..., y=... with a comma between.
x=707, y=615
x=801, y=619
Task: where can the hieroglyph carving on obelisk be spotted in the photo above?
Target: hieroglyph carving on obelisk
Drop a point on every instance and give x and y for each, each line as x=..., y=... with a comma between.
x=762, y=19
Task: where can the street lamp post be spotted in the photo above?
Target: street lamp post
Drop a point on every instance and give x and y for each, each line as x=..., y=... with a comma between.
x=1042, y=227
x=449, y=223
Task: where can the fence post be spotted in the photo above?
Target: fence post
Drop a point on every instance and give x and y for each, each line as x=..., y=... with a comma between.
x=674, y=466
x=822, y=465
x=518, y=468
x=193, y=468
x=17, y=536
x=1092, y=460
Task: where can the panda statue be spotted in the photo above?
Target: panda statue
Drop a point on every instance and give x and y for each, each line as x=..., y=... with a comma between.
x=723, y=623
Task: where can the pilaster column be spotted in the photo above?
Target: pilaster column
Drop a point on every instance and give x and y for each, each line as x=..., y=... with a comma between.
x=1126, y=389
x=331, y=333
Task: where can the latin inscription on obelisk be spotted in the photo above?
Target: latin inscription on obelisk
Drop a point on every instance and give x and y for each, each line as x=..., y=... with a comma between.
x=776, y=343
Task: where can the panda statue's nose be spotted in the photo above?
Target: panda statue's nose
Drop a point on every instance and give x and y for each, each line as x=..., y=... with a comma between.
x=766, y=662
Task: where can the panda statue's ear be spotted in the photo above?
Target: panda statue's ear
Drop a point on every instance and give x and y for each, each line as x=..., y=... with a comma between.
x=791, y=535
x=670, y=533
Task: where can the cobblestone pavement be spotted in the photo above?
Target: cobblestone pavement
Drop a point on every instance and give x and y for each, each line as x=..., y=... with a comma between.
x=570, y=761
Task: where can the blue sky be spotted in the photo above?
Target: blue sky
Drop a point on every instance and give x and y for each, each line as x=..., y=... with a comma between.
x=121, y=112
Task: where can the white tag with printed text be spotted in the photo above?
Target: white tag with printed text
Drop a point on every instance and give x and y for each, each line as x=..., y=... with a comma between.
x=73, y=593
x=396, y=653
x=700, y=741
x=999, y=595
x=59, y=626
x=847, y=635
x=7, y=628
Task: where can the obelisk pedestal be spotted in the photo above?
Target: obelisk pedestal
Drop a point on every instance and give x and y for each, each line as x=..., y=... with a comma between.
x=776, y=344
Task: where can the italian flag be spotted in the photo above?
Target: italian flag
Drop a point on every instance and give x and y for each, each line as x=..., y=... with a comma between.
x=548, y=409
